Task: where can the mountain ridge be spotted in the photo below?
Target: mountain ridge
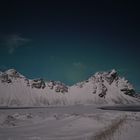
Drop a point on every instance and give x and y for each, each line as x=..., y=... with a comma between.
x=101, y=88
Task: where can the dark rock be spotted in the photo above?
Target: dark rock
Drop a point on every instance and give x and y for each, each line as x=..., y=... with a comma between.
x=58, y=86
x=13, y=73
x=127, y=91
x=5, y=78
x=38, y=83
x=111, y=76
x=103, y=91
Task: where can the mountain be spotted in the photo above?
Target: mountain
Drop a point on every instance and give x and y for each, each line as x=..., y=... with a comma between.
x=101, y=88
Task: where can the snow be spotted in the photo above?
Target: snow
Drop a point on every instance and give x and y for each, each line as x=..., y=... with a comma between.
x=132, y=132
x=66, y=123
x=59, y=112
x=101, y=88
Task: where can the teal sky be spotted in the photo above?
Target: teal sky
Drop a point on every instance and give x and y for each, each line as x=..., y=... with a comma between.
x=71, y=63
x=70, y=41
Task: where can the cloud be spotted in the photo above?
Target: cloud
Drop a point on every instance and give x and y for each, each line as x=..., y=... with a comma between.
x=15, y=41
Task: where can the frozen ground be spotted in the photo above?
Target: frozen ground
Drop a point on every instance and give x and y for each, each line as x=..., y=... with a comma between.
x=68, y=123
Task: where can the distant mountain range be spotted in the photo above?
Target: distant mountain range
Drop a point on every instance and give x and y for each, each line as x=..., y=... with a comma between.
x=101, y=88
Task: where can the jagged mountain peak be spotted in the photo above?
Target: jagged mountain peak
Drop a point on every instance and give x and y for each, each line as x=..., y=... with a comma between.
x=10, y=75
x=103, y=84
x=109, y=76
x=14, y=73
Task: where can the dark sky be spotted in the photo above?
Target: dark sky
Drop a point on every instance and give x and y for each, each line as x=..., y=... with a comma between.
x=70, y=40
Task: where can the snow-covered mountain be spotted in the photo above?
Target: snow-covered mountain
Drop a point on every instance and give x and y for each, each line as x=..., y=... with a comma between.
x=101, y=88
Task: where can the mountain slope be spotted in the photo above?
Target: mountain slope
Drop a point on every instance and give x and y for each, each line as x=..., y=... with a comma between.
x=101, y=88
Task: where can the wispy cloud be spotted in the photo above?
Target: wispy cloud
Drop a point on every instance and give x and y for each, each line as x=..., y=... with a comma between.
x=14, y=41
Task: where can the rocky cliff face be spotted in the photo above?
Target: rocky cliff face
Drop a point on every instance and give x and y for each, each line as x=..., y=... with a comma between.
x=107, y=79
x=38, y=83
x=57, y=86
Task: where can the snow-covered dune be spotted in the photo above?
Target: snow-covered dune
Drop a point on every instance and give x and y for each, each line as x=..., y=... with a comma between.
x=101, y=88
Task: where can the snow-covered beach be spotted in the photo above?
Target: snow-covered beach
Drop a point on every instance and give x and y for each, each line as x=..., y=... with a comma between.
x=68, y=123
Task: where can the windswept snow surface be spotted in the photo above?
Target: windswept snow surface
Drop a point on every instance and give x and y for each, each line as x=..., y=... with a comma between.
x=101, y=88
x=67, y=123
